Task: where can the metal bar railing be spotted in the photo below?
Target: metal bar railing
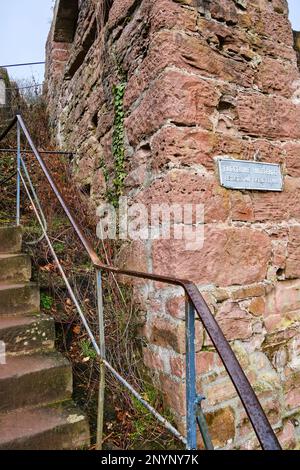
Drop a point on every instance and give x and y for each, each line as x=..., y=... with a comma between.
x=18, y=172
x=41, y=152
x=196, y=303
x=44, y=221
x=99, y=349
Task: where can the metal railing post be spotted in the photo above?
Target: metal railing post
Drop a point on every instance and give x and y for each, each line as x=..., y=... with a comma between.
x=190, y=378
x=100, y=417
x=18, y=173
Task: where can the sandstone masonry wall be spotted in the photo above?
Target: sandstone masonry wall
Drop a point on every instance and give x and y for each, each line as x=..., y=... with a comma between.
x=203, y=79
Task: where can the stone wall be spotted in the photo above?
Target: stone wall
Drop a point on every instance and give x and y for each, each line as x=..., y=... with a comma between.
x=297, y=45
x=5, y=99
x=202, y=79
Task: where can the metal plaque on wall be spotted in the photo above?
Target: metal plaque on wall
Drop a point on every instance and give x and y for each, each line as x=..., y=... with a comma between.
x=245, y=174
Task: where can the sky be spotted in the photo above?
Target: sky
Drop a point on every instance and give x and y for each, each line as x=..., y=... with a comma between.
x=24, y=26
x=294, y=6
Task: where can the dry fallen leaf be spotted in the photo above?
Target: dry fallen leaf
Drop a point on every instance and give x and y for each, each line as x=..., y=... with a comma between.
x=76, y=330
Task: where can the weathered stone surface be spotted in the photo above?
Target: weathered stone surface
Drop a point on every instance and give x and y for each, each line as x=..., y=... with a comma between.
x=221, y=425
x=219, y=392
x=234, y=322
x=189, y=187
x=257, y=306
x=282, y=305
x=173, y=145
x=170, y=334
x=229, y=256
x=282, y=206
x=176, y=307
x=167, y=334
x=248, y=291
x=192, y=104
x=153, y=360
x=287, y=436
x=292, y=269
x=292, y=150
x=175, y=400
x=267, y=116
x=10, y=239
x=241, y=207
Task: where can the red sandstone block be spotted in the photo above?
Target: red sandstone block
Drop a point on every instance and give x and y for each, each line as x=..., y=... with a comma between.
x=292, y=150
x=176, y=307
x=268, y=116
x=235, y=41
x=276, y=26
x=176, y=97
x=167, y=14
x=133, y=257
x=268, y=21
x=241, y=207
x=187, y=187
x=224, y=10
x=221, y=425
x=190, y=53
x=234, y=322
x=292, y=269
x=194, y=146
x=275, y=76
x=219, y=392
x=287, y=436
x=152, y=360
x=278, y=206
x=205, y=362
x=174, y=393
x=229, y=256
x=168, y=334
x=282, y=305
x=183, y=146
x=119, y=11
x=292, y=399
x=177, y=364
x=60, y=55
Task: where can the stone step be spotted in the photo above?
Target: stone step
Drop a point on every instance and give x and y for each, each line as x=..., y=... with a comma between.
x=34, y=380
x=25, y=334
x=17, y=299
x=15, y=268
x=10, y=239
x=47, y=428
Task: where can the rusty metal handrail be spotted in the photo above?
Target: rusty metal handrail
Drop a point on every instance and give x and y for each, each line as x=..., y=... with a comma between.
x=253, y=408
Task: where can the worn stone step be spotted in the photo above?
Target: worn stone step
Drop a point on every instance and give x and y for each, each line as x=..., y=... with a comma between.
x=10, y=239
x=17, y=299
x=15, y=268
x=61, y=427
x=25, y=334
x=34, y=380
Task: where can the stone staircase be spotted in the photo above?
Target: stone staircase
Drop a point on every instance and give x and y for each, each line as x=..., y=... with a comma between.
x=36, y=409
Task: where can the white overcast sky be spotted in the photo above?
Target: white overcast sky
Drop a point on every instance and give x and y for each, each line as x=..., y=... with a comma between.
x=24, y=26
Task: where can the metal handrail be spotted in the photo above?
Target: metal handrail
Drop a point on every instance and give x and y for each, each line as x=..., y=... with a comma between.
x=253, y=408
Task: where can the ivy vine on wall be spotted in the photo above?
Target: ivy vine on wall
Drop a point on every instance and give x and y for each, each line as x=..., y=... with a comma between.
x=118, y=149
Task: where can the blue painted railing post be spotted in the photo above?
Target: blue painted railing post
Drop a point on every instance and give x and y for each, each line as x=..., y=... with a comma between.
x=18, y=172
x=191, y=392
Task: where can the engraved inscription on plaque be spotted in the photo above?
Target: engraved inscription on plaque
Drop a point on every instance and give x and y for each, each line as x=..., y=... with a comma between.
x=245, y=174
